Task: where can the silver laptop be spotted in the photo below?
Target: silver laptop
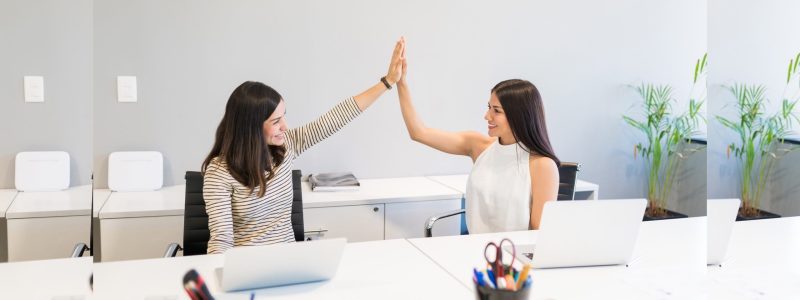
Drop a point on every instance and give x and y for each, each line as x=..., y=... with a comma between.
x=585, y=233
x=721, y=217
x=255, y=267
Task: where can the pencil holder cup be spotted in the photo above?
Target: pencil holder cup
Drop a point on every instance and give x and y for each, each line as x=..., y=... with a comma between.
x=488, y=293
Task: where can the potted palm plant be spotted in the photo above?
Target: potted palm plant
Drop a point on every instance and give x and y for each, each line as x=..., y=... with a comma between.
x=666, y=136
x=760, y=138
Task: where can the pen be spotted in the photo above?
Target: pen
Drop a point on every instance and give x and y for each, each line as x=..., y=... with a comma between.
x=522, y=277
x=252, y=296
x=510, y=284
x=492, y=277
x=478, y=277
x=528, y=282
x=487, y=279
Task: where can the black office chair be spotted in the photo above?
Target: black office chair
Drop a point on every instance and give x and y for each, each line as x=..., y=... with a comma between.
x=195, y=219
x=567, y=176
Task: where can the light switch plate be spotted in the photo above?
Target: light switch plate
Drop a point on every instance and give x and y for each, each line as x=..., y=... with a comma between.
x=34, y=88
x=126, y=89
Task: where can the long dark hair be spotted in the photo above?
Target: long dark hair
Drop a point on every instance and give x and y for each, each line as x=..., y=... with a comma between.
x=525, y=113
x=240, y=140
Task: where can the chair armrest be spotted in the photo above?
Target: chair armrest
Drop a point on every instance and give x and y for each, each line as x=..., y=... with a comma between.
x=172, y=250
x=432, y=220
x=79, y=249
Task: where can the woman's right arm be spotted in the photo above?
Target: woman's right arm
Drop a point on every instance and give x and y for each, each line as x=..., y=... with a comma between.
x=468, y=143
x=218, y=194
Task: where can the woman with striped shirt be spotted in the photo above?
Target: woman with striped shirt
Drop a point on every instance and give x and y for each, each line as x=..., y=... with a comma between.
x=247, y=184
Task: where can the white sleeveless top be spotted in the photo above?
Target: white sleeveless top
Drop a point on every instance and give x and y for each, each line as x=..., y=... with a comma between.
x=498, y=194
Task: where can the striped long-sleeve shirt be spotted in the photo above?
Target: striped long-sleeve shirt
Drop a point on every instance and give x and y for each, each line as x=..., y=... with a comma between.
x=237, y=216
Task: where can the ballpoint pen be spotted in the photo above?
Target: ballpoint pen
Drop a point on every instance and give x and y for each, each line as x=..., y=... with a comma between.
x=478, y=277
x=487, y=278
x=492, y=277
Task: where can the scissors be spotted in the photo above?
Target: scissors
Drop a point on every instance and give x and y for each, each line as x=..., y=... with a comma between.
x=497, y=263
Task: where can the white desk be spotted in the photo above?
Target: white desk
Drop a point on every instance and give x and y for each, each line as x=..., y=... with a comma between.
x=47, y=225
x=371, y=270
x=459, y=183
x=138, y=225
x=762, y=262
x=380, y=191
x=386, y=208
x=6, y=197
x=669, y=261
x=66, y=278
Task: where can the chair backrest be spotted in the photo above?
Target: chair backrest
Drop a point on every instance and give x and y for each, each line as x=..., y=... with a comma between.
x=297, y=207
x=195, y=219
x=567, y=175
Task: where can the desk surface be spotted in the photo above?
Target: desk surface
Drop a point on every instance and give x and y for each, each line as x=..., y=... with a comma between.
x=669, y=258
x=459, y=183
x=75, y=201
x=762, y=261
x=391, y=269
x=46, y=279
x=6, y=197
x=387, y=190
x=168, y=201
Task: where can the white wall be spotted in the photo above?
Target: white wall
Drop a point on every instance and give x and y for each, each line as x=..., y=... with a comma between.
x=53, y=39
x=189, y=56
x=750, y=42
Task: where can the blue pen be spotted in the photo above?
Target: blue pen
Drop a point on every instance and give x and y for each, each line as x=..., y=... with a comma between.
x=478, y=276
x=492, y=278
x=516, y=276
x=252, y=296
x=528, y=282
x=486, y=280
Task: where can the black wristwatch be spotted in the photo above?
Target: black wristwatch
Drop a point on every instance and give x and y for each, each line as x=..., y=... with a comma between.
x=386, y=83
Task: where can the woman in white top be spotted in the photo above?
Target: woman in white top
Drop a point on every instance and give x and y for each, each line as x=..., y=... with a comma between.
x=247, y=184
x=515, y=169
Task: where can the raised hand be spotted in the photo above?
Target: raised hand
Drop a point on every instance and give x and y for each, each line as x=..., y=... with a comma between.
x=396, y=65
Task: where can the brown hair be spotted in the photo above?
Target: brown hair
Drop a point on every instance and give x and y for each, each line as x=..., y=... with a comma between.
x=239, y=140
x=525, y=113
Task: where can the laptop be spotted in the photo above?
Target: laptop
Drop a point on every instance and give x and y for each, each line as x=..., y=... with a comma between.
x=721, y=217
x=585, y=233
x=254, y=267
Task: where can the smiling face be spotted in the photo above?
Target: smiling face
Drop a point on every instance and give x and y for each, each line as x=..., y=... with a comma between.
x=275, y=126
x=497, y=122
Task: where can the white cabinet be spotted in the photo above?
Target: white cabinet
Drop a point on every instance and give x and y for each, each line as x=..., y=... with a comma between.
x=139, y=238
x=357, y=223
x=47, y=225
x=387, y=208
x=139, y=225
x=46, y=238
x=407, y=220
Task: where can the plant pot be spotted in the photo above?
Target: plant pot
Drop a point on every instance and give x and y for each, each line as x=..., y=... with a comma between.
x=762, y=214
x=670, y=215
